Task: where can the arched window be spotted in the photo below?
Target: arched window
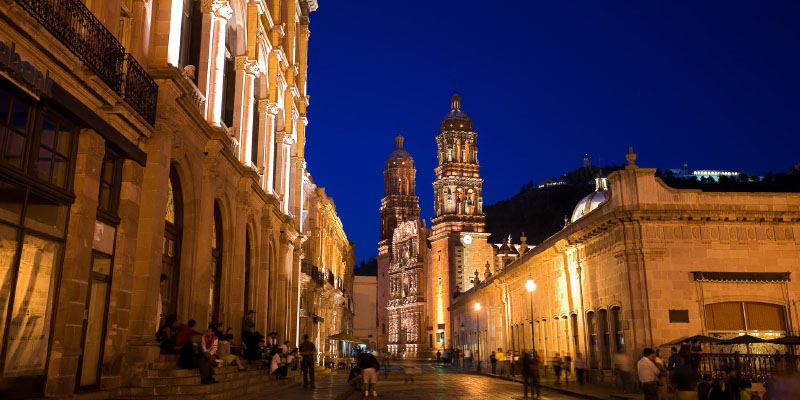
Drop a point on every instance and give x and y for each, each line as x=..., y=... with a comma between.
x=247, y=270
x=605, y=345
x=616, y=321
x=191, y=35
x=575, y=334
x=171, y=249
x=592, y=331
x=229, y=76
x=216, y=264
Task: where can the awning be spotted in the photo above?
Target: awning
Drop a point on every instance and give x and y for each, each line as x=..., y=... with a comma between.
x=344, y=337
x=769, y=277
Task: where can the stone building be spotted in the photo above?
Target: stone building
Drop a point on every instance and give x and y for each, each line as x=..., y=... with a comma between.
x=141, y=138
x=365, y=322
x=326, y=298
x=437, y=262
x=641, y=264
x=400, y=203
x=408, y=289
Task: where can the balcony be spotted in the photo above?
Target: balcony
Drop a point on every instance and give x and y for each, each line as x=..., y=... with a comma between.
x=312, y=271
x=84, y=35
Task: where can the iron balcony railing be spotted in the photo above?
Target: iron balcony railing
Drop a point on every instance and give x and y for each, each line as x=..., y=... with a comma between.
x=86, y=37
x=755, y=367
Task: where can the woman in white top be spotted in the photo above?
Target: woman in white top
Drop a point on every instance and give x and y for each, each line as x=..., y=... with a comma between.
x=277, y=367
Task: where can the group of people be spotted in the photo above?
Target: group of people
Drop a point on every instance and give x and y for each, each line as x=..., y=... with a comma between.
x=679, y=375
x=212, y=348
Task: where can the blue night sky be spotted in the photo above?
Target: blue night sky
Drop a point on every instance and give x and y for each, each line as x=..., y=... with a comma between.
x=711, y=84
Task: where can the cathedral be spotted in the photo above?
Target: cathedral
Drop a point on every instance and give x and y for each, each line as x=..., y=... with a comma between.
x=420, y=269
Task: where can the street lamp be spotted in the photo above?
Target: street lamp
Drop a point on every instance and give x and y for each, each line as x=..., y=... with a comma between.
x=530, y=286
x=478, y=333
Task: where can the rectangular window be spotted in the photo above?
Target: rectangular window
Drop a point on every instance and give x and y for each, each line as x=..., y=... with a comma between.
x=14, y=121
x=678, y=316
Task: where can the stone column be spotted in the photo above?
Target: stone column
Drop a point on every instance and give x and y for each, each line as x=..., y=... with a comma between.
x=284, y=141
x=282, y=289
x=121, y=300
x=142, y=347
x=212, y=48
x=196, y=287
x=71, y=305
x=266, y=143
x=262, y=288
x=294, y=295
x=297, y=172
x=233, y=309
x=246, y=71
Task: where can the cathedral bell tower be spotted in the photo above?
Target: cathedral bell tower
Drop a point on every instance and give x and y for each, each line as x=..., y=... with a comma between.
x=399, y=204
x=458, y=241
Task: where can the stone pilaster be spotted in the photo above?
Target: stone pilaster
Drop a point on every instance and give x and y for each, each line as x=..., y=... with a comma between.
x=266, y=143
x=246, y=71
x=121, y=300
x=212, y=49
x=68, y=326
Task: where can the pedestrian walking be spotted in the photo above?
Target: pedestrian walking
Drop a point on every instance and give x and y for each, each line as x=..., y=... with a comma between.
x=648, y=374
x=501, y=359
x=467, y=358
x=493, y=360
x=556, y=364
x=567, y=367
x=309, y=352
x=684, y=379
x=580, y=367
x=446, y=357
x=438, y=356
x=530, y=373
x=663, y=378
x=622, y=368
x=369, y=368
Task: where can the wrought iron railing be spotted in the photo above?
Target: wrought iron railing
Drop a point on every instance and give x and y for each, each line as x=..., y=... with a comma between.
x=86, y=37
x=755, y=367
x=141, y=91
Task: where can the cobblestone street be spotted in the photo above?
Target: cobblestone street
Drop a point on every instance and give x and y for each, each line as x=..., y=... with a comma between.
x=433, y=383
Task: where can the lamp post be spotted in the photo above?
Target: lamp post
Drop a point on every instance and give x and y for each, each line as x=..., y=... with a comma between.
x=462, y=343
x=478, y=333
x=530, y=286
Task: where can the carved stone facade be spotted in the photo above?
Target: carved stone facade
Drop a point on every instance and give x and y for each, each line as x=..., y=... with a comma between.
x=209, y=192
x=407, y=290
x=648, y=265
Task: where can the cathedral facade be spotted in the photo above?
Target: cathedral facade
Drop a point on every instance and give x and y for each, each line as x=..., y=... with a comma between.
x=420, y=269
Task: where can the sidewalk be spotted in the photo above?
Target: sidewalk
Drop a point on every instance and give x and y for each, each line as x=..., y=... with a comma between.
x=586, y=390
x=329, y=386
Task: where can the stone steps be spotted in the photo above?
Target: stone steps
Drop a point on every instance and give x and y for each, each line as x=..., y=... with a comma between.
x=163, y=379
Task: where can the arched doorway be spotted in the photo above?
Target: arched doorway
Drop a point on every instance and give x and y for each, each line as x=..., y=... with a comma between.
x=170, y=256
x=216, y=265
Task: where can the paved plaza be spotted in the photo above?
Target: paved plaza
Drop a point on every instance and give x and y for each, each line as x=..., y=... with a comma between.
x=432, y=383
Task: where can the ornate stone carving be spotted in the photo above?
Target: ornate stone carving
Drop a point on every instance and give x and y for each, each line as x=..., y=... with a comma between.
x=220, y=8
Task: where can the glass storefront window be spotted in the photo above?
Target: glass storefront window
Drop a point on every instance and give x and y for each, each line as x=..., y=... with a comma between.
x=46, y=216
x=28, y=333
x=8, y=254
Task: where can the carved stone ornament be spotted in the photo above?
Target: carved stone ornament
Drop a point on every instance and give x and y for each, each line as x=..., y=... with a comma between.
x=220, y=8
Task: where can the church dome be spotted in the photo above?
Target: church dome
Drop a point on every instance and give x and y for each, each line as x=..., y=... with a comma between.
x=399, y=154
x=592, y=200
x=456, y=119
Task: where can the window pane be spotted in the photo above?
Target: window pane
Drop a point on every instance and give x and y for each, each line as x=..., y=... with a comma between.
x=65, y=142
x=43, y=164
x=19, y=115
x=49, y=129
x=170, y=216
x=60, y=169
x=8, y=250
x=5, y=103
x=94, y=328
x=28, y=334
x=103, y=238
x=15, y=145
x=765, y=317
x=46, y=216
x=105, y=197
x=725, y=316
x=11, y=202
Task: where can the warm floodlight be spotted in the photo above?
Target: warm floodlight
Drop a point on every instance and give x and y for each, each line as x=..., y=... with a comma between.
x=530, y=285
x=477, y=306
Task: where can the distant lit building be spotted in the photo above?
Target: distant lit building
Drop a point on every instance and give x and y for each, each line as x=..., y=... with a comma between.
x=699, y=174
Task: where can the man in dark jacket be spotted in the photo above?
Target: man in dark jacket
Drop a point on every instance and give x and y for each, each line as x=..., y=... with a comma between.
x=309, y=353
x=684, y=378
x=530, y=372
